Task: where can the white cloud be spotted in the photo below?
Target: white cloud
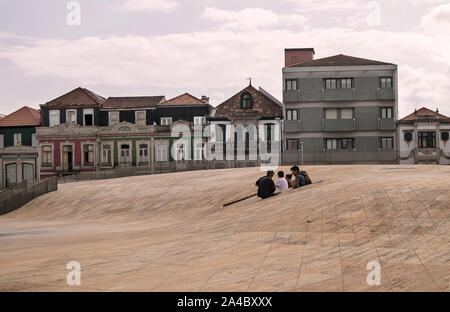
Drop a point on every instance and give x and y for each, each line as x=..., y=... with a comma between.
x=219, y=62
x=437, y=20
x=146, y=5
x=253, y=18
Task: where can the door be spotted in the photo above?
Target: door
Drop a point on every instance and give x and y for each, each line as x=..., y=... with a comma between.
x=11, y=175
x=28, y=173
x=125, y=158
x=67, y=158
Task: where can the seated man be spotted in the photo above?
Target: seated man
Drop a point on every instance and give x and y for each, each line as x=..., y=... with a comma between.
x=266, y=186
x=299, y=179
x=282, y=183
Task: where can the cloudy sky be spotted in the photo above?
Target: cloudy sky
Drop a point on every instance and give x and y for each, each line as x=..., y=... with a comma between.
x=210, y=47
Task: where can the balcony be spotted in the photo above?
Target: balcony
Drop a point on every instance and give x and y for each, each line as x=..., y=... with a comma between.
x=292, y=96
x=338, y=124
x=386, y=124
x=338, y=94
x=386, y=94
x=291, y=126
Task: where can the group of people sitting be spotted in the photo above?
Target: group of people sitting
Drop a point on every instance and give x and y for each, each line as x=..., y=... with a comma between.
x=267, y=187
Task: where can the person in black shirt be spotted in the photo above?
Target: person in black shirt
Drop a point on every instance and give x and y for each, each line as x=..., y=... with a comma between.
x=266, y=186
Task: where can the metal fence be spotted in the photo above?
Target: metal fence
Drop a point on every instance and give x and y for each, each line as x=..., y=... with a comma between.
x=19, y=197
x=165, y=167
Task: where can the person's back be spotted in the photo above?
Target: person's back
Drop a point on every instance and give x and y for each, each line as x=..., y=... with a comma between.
x=266, y=187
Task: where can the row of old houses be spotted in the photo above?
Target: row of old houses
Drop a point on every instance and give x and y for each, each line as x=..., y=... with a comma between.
x=335, y=110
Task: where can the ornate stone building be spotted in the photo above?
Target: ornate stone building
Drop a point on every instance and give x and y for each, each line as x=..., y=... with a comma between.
x=424, y=138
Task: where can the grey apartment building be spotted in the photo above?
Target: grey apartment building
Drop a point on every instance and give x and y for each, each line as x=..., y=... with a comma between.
x=339, y=109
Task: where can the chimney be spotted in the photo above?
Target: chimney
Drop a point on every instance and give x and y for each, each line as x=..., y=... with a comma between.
x=298, y=56
x=205, y=99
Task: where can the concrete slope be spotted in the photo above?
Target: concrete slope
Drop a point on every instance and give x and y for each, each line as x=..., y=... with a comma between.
x=171, y=232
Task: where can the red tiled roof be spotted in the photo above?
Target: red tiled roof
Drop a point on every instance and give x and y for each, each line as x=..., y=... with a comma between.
x=24, y=117
x=80, y=97
x=184, y=99
x=132, y=102
x=424, y=112
x=339, y=60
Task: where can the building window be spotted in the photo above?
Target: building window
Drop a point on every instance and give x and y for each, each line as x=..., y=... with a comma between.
x=331, y=144
x=27, y=172
x=346, y=83
x=292, y=114
x=34, y=140
x=387, y=143
x=199, y=120
x=125, y=154
x=291, y=85
x=88, y=154
x=88, y=116
x=386, y=112
x=166, y=121
x=2, y=142
x=141, y=118
x=17, y=138
x=331, y=113
x=161, y=152
x=444, y=136
x=330, y=83
x=408, y=137
x=199, y=151
x=54, y=118
x=114, y=118
x=71, y=116
x=347, y=143
x=46, y=152
x=143, y=154
x=427, y=139
x=347, y=113
x=181, y=152
x=386, y=82
x=246, y=101
x=106, y=155
x=269, y=132
x=292, y=145
x=11, y=174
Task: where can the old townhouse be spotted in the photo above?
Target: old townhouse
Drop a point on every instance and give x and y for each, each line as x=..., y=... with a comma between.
x=231, y=125
x=84, y=132
x=68, y=136
x=18, y=147
x=339, y=109
x=424, y=138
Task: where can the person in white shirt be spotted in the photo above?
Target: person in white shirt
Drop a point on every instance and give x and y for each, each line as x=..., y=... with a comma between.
x=281, y=184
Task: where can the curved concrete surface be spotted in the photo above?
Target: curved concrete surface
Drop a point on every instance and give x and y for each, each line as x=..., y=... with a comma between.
x=171, y=233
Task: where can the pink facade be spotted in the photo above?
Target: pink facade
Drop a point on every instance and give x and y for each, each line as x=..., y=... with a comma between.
x=73, y=158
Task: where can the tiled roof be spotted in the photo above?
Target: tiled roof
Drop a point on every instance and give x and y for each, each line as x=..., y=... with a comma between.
x=263, y=106
x=339, y=60
x=132, y=102
x=424, y=112
x=23, y=117
x=80, y=97
x=182, y=100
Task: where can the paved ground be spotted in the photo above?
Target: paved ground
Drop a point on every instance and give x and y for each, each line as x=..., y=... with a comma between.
x=171, y=233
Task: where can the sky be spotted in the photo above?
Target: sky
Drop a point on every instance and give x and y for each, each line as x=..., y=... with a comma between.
x=211, y=47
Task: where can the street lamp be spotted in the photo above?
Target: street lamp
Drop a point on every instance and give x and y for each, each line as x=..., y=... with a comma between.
x=301, y=149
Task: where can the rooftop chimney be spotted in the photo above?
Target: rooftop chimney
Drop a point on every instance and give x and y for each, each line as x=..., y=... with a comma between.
x=205, y=99
x=298, y=56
